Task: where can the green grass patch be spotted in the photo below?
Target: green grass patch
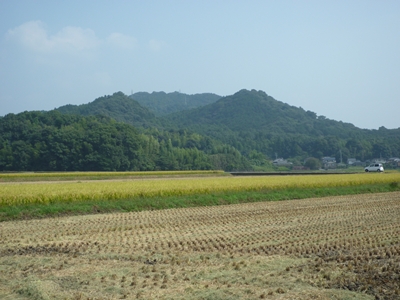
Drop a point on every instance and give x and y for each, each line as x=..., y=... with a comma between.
x=29, y=211
x=66, y=176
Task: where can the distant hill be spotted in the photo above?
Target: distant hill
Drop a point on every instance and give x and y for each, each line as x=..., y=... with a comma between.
x=161, y=103
x=257, y=111
x=253, y=120
x=53, y=141
x=118, y=106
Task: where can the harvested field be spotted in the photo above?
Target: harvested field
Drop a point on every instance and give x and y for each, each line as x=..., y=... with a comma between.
x=345, y=247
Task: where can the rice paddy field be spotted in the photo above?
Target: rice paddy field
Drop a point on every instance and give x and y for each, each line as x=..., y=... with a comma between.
x=344, y=247
x=335, y=247
x=50, y=192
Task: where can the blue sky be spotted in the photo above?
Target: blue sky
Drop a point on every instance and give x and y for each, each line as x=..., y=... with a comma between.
x=339, y=59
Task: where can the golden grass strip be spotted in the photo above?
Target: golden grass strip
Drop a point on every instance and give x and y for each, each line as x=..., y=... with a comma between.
x=31, y=193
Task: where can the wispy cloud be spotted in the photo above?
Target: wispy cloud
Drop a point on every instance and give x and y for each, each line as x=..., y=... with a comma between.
x=34, y=36
x=122, y=41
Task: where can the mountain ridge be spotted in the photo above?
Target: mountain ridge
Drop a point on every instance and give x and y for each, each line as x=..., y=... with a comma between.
x=118, y=106
x=257, y=110
x=251, y=120
x=161, y=103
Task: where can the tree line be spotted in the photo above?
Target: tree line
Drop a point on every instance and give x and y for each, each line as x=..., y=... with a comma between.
x=244, y=131
x=253, y=121
x=51, y=141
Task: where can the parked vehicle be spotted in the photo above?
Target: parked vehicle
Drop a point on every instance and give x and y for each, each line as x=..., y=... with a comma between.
x=374, y=168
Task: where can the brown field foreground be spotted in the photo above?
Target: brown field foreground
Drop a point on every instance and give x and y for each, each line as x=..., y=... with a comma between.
x=345, y=247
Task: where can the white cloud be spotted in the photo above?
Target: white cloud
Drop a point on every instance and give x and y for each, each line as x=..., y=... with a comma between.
x=34, y=36
x=122, y=41
x=76, y=38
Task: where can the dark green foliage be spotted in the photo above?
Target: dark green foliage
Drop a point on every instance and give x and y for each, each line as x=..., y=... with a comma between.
x=313, y=163
x=37, y=141
x=254, y=111
x=118, y=106
x=239, y=132
x=252, y=120
x=161, y=103
x=51, y=141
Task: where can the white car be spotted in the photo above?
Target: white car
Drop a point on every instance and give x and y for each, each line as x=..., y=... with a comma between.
x=374, y=168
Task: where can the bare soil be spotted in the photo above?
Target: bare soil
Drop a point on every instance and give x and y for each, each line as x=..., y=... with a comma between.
x=345, y=247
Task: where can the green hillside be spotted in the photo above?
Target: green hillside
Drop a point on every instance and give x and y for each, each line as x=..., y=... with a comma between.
x=161, y=103
x=256, y=111
x=118, y=106
x=244, y=131
x=253, y=121
x=52, y=141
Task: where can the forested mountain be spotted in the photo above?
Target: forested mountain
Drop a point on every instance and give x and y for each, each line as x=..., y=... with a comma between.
x=256, y=111
x=51, y=141
x=161, y=103
x=118, y=106
x=252, y=120
x=239, y=132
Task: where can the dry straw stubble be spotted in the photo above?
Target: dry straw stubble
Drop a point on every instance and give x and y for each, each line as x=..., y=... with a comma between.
x=327, y=248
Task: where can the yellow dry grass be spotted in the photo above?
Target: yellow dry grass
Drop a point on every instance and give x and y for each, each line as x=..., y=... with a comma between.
x=31, y=193
x=344, y=247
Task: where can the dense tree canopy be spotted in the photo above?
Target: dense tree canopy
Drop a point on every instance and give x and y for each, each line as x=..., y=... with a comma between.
x=252, y=120
x=313, y=163
x=239, y=132
x=51, y=141
x=118, y=106
x=161, y=103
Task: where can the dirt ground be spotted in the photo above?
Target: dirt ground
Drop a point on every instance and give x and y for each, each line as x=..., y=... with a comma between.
x=345, y=247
